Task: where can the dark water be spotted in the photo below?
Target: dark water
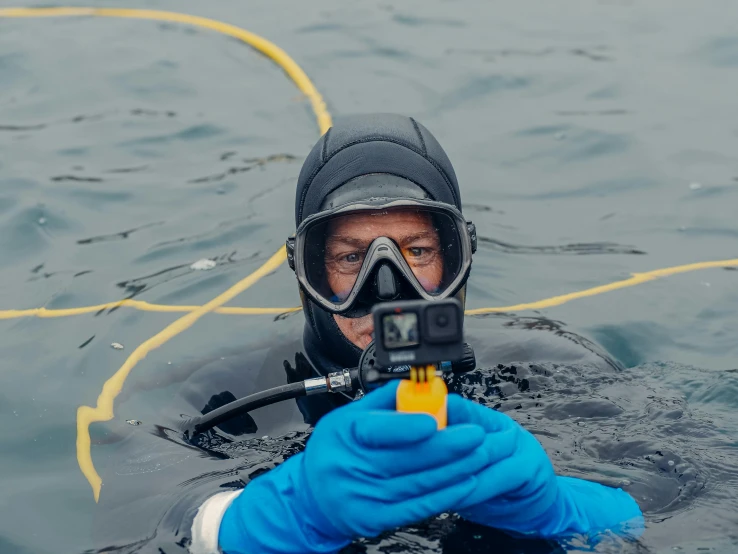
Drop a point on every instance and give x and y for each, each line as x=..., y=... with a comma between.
x=591, y=140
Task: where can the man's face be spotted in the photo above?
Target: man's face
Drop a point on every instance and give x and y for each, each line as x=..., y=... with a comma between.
x=349, y=238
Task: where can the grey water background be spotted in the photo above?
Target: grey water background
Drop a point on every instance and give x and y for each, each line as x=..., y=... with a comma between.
x=591, y=139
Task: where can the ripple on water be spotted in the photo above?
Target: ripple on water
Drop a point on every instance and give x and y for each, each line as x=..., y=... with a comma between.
x=582, y=145
x=635, y=429
x=194, y=132
x=29, y=231
x=663, y=432
x=223, y=234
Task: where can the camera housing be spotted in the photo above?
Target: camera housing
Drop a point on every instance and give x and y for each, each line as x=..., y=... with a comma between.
x=416, y=332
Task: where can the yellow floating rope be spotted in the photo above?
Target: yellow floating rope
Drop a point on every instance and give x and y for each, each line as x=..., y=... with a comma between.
x=269, y=49
x=635, y=279
x=104, y=409
x=138, y=305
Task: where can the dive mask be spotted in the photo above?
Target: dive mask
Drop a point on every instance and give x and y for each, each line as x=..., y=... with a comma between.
x=351, y=257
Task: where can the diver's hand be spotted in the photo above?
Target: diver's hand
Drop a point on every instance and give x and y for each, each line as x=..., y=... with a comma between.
x=521, y=493
x=365, y=469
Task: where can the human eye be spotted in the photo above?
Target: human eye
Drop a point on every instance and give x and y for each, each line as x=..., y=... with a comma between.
x=420, y=253
x=345, y=262
x=351, y=258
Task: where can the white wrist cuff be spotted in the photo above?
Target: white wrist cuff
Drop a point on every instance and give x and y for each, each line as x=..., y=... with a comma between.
x=206, y=525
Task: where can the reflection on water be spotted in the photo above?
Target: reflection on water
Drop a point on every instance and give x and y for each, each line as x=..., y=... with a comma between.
x=591, y=142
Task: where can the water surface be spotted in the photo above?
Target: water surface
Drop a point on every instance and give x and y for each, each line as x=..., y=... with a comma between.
x=591, y=141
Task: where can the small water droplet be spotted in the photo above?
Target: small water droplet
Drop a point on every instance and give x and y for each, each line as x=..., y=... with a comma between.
x=265, y=437
x=41, y=220
x=169, y=363
x=117, y=346
x=133, y=422
x=705, y=283
x=682, y=228
x=695, y=186
x=671, y=462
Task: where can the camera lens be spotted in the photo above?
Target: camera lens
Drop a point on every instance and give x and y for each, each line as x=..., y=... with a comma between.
x=443, y=323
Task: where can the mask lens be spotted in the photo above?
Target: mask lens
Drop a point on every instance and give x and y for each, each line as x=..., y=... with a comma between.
x=335, y=249
x=432, y=250
x=333, y=258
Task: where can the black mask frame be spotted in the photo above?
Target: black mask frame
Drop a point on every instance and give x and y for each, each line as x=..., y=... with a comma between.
x=384, y=274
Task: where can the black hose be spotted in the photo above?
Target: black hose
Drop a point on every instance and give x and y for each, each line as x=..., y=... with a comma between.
x=360, y=377
x=206, y=422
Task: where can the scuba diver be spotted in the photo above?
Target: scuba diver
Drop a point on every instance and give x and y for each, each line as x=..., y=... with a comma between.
x=378, y=216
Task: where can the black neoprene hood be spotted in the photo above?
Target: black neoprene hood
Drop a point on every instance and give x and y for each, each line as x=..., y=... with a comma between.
x=376, y=143
x=358, y=145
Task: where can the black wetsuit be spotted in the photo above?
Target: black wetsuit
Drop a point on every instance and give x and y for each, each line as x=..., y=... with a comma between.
x=154, y=481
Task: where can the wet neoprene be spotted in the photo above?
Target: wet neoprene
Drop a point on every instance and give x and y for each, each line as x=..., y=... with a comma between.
x=367, y=468
x=367, y=144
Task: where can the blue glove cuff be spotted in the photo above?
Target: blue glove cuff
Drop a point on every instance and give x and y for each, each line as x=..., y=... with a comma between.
x=584, y=507
x=580, y=507
x=262, y=518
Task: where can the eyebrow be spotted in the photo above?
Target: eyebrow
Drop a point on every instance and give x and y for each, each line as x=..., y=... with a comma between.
x=421, y=235
x=346, y=240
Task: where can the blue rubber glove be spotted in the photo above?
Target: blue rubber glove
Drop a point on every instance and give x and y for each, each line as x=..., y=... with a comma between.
x=521, y=492
x=365, y=469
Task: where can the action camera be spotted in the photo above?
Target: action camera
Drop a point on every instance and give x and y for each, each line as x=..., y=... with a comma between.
x=417, y=332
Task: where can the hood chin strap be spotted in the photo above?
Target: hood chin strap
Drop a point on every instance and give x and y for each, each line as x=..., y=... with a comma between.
x=327, y=347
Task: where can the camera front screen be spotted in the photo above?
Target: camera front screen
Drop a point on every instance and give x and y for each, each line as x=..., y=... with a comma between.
x=400, y=330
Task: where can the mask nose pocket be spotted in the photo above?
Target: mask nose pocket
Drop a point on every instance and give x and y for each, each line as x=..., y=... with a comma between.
x=385, y=284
